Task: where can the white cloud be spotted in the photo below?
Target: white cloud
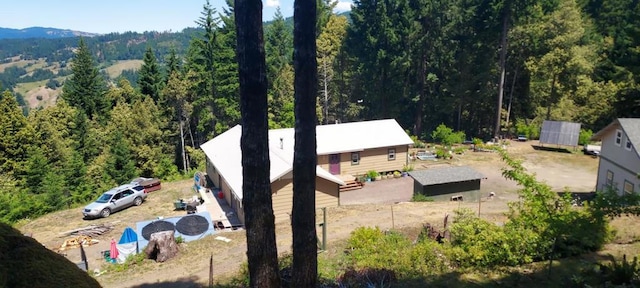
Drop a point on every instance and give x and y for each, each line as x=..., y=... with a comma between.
x=342, y=6
x=273, y=3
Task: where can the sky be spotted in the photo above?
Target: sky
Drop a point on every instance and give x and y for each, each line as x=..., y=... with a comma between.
x=108, y=16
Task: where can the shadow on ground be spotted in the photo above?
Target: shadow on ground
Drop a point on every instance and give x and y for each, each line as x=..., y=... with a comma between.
x=551, y=149
x=187, y=282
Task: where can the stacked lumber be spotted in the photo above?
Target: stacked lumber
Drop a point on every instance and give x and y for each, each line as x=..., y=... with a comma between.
x=75, y=242
x=92, y=230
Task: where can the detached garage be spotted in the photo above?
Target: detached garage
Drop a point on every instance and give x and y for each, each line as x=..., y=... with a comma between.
x=450, y=183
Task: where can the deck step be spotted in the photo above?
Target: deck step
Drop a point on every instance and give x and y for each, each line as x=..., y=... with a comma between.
x=351, y=185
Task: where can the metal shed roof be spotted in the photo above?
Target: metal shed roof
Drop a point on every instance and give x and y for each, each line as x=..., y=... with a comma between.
x=445, y=175
x=560, y=133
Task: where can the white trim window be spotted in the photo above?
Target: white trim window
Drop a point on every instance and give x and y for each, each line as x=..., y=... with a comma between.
x=609, y=182
x=628, y=187
x=355, y=158
x=618, y=137
x=627, y=144
x=391, y=154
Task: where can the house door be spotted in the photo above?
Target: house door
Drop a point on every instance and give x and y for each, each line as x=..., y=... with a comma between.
x=334, y=164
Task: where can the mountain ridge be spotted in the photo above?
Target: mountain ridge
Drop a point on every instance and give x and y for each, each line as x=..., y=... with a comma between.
x=41, y=32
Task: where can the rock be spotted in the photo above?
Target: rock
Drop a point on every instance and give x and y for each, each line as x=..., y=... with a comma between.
x=162, y=246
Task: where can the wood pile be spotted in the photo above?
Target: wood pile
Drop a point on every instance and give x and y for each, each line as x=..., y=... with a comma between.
x=77, y=241
x=91, y=231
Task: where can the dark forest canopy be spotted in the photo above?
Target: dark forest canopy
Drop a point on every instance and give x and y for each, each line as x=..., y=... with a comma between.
x=422, y=62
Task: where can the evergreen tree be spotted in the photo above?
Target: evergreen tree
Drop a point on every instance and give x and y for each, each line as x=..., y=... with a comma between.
x=303, y=216
x=150, y=79
x=120, y=165
x=262, y=253
x=329, y=46
x=173, y=65
x=16, y=135
x=279, y=53
x=85, y=88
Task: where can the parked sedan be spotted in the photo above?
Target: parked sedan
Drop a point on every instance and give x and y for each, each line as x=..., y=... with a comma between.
x=116, y=199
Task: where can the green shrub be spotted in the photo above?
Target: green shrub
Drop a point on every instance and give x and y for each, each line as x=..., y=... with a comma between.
x=622, y=272
x=446, y=136
x=419, y=197
x=585, y=136
x=407, y=168
x=179, y=240
x=372, y=174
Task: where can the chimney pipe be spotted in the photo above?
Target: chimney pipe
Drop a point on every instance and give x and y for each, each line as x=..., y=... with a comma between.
x=281, y=143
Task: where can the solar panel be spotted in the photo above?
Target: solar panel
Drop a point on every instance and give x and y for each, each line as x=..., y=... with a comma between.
x=560, y=133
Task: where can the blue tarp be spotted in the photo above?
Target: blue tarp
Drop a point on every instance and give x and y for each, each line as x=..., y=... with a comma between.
x=128, y=236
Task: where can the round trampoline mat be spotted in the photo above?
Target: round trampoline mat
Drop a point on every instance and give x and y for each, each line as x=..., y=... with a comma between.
x=156, y=226
x=192, y=225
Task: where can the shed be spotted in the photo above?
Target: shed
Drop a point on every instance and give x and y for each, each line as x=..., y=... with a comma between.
x=446, y=181
x=560, y=133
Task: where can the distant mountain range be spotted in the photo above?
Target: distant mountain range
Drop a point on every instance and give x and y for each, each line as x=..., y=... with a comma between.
x=41, y=32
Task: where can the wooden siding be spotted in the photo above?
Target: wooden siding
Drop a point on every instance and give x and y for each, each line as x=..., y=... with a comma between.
x=327, y=195
x=623, y=163
x=370, y=159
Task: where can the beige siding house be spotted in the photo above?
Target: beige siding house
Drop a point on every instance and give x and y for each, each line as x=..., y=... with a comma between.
x=343, y=149
x=619, y=158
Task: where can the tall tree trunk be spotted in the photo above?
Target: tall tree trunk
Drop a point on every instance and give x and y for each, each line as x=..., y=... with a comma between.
x=184, y=154
x=325, y=81
x=513, y=86
x=503, y=60
x=551, y=96
x=262, y=252
x=422, y=74
x=305, y=261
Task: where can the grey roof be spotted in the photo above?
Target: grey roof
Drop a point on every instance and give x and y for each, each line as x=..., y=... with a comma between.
x=560, y=133
x=630, y=126
x=445, y=175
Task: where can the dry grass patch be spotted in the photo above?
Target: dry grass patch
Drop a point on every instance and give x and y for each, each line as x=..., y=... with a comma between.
x=116, y=69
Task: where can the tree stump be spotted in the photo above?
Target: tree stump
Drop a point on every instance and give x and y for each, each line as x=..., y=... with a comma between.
x=162, y=246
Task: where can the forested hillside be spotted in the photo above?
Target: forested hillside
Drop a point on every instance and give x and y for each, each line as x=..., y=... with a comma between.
x=487, y=68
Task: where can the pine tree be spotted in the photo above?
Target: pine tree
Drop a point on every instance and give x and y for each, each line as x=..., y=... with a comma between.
x=279, y=57
x=173, y=65
x=85, y=88
x=303, y=216
x=120, y=165
x=16, y=134
x=262, y=253
x=150, y=79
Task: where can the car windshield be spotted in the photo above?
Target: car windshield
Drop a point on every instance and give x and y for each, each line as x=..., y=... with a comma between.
x=104, y=198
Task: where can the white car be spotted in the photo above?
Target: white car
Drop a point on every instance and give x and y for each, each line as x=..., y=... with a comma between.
x=116, y=199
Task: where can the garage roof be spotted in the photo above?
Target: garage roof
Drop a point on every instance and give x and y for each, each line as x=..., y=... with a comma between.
x=445, y=175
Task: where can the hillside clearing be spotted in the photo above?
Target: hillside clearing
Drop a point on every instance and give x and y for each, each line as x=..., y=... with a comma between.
x=116, y=69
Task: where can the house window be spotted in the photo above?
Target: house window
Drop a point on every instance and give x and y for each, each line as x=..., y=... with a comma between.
x=391, y=154
x=609, y=178
x=618, y=137
x=628, y=187
x=355, y=158
x=627, y=144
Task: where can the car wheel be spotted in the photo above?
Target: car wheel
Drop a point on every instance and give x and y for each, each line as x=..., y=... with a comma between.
x=105, y=213
x=137, y=201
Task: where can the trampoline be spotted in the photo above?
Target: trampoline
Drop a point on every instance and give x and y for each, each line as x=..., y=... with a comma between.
x=192, y=225
x=156, y=226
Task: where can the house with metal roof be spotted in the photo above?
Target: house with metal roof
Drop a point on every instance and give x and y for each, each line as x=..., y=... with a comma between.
x=448, y=183
x=342, y=149
x=619, y=162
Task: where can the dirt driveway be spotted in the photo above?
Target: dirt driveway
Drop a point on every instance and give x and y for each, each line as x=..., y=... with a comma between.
x=380, y=192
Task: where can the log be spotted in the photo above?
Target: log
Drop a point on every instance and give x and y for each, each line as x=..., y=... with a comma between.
x=162, y=246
